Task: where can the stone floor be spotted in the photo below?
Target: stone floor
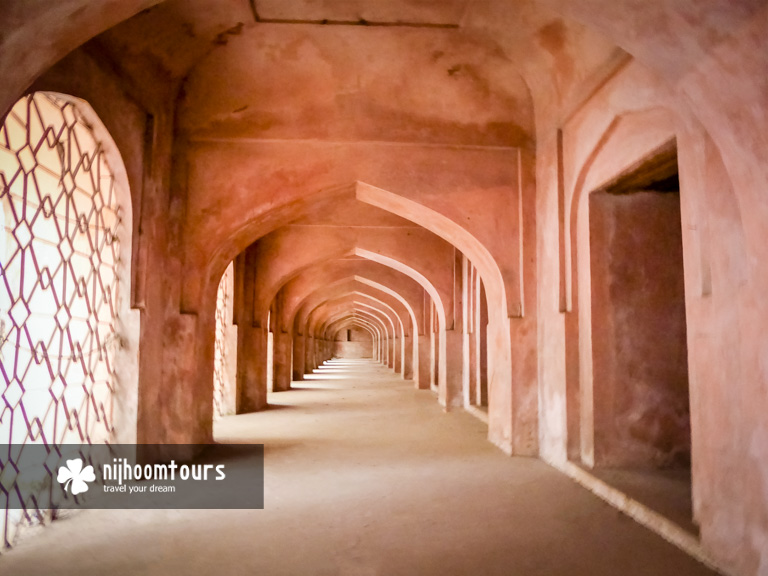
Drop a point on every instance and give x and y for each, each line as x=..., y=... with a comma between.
x=366, y=476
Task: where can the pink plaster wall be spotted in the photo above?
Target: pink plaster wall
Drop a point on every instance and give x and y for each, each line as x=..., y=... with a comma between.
x=359, y=345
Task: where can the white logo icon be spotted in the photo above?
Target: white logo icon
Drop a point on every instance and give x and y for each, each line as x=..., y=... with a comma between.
x=77, y=475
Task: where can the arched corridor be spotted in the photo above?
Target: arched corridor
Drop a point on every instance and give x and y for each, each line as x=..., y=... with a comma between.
x=504, y=255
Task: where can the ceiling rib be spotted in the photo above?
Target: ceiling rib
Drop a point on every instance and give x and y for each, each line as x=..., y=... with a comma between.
x=358, y=22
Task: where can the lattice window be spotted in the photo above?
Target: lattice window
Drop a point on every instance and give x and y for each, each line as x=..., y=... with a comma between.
x=221, y=380
x=59, y=258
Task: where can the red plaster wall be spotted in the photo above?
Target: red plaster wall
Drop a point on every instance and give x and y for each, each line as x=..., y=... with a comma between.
x=642, y=415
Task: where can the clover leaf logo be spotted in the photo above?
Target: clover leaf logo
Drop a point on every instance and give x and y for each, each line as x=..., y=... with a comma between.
x=77, y=475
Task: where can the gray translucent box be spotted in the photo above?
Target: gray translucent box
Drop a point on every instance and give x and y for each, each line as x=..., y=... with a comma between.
x=128, y=476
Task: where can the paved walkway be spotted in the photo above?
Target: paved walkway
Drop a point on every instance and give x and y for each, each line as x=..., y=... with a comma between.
x=366, y=476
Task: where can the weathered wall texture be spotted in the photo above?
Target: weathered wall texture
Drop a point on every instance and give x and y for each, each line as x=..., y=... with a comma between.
x=640, y=359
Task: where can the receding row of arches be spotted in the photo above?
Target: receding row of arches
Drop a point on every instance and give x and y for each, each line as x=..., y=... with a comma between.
x=236, y=197
x=397, y=267
x=418, y=284
x=320, y=302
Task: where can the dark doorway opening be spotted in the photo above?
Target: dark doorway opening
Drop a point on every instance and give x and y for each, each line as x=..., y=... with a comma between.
x=641, y=410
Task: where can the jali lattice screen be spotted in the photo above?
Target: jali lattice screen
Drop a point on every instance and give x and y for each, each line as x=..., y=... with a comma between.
x=59, y=254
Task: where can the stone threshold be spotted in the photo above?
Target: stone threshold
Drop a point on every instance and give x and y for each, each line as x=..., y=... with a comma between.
x=478, y=413
x=642, y=514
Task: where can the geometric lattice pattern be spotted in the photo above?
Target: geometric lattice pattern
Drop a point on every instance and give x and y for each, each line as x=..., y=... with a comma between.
x=59, y=254
x=221, y=347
